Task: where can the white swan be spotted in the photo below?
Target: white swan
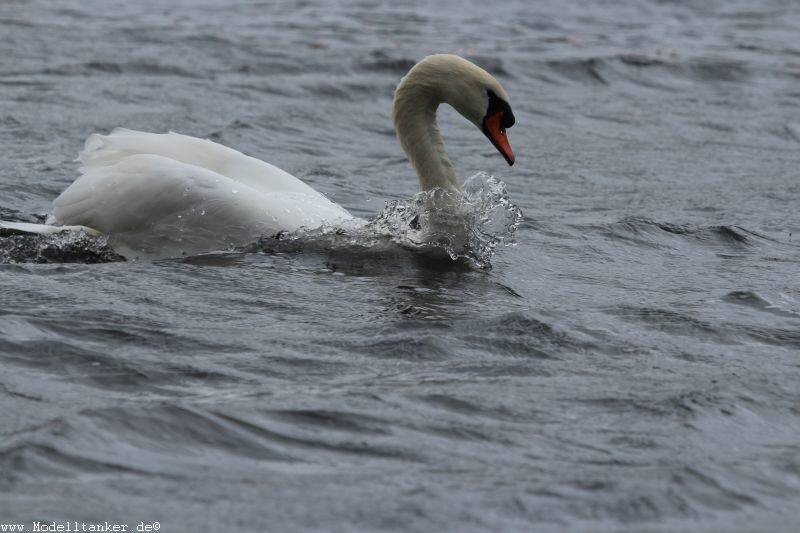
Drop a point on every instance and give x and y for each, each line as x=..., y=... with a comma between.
x=167, y=195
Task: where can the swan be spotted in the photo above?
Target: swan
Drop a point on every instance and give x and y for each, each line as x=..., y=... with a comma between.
x=166, y=195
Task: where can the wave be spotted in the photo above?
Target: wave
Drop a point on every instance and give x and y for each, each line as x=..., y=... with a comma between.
x=66, y=247
x=655, y=71
x=655, y=234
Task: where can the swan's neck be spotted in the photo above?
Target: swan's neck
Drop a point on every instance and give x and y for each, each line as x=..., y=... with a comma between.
x=414, y=115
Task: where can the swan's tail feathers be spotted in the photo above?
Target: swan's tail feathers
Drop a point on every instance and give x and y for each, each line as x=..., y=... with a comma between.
x=26, y=228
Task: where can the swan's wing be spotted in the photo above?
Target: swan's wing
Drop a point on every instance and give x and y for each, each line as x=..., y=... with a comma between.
x=101, y=150
x=154, y=206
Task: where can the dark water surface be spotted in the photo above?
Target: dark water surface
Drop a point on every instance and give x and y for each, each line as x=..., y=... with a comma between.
x=632, y=364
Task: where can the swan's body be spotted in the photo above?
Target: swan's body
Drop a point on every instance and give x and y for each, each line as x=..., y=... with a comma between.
x=166, y=195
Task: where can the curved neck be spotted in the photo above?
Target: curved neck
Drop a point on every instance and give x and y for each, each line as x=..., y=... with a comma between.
x=414, y=115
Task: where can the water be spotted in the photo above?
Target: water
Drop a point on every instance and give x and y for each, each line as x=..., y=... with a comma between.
x=631, y=364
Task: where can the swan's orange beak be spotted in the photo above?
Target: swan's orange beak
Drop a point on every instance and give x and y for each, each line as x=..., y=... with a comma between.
x=494, y=128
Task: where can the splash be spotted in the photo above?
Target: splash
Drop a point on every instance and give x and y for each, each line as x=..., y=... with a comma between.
x=465, y=227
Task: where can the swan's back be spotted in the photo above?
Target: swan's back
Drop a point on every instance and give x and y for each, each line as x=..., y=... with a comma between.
x=100, y=150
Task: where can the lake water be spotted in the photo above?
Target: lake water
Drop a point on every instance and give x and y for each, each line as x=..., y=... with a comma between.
x=631, y=363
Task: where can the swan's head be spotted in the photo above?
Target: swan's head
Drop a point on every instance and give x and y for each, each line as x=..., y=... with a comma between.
x=472, y=91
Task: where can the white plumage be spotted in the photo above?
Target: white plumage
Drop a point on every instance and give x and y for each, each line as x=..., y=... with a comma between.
x=165, y=195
